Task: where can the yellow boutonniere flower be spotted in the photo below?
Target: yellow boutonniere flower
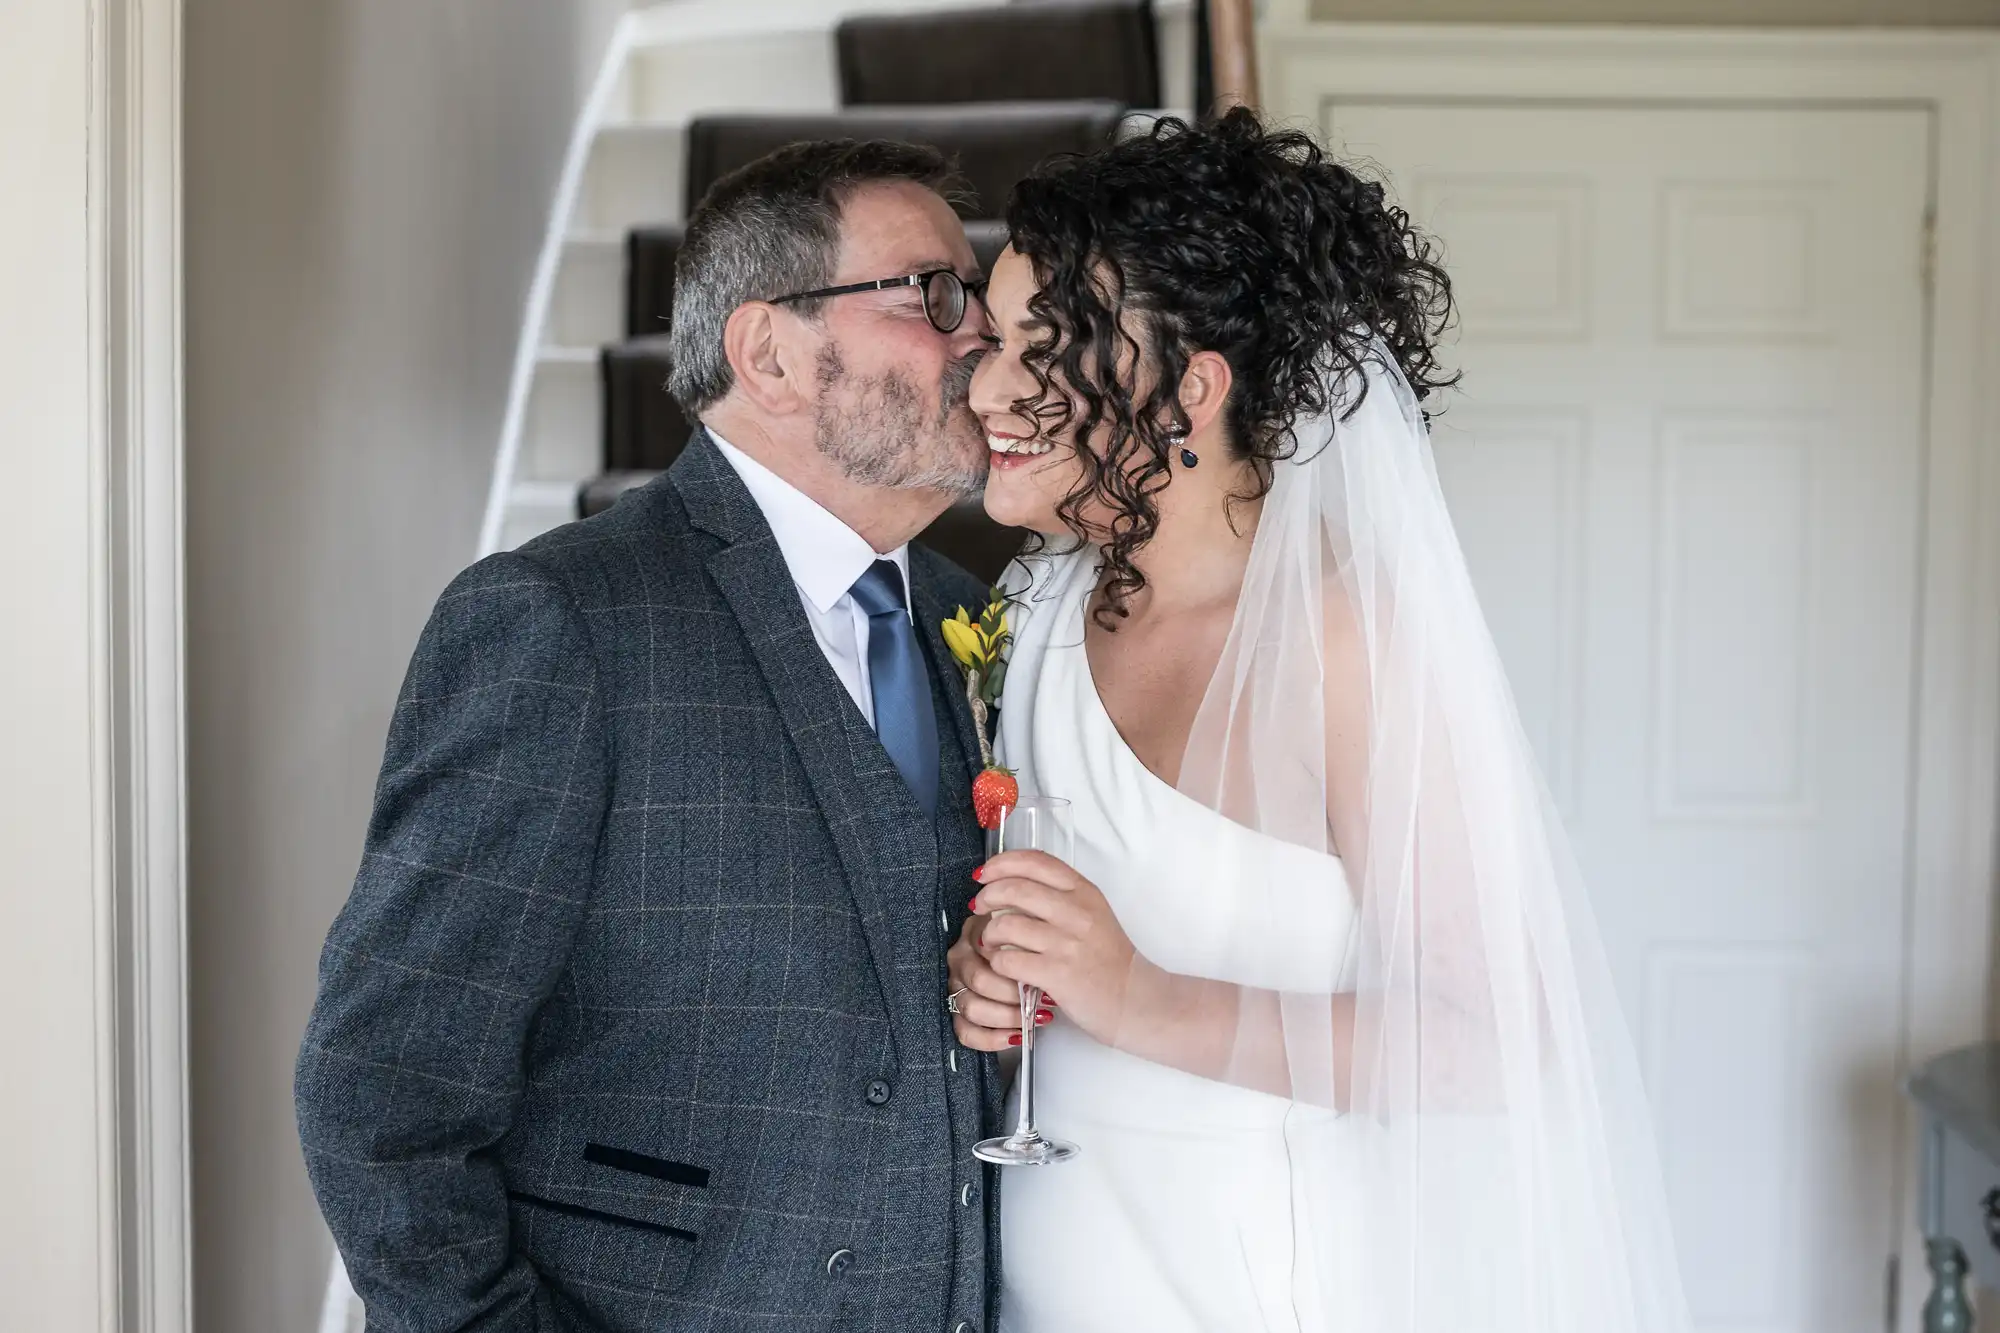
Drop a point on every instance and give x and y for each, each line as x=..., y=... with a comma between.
x=963, y=639
x=980, y=648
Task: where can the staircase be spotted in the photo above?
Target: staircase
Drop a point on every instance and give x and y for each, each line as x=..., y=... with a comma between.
x=692, y=90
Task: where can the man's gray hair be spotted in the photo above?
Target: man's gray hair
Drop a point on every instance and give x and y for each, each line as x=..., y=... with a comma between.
x=770, y=229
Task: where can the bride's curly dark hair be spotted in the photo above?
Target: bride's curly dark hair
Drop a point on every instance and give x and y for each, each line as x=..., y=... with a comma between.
x=1233, y=238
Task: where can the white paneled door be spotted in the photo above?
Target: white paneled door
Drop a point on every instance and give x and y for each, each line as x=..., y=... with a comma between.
x=1686, y=462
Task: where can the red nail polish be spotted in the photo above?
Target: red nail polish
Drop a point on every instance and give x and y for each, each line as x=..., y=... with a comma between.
x=1048, y=999
x=1014, y=1039
x=1044, y=1016
x=979, y=874
x=972, y=906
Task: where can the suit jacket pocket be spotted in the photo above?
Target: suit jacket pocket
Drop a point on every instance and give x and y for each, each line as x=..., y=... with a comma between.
x=639, y=1164
x=602, y=1260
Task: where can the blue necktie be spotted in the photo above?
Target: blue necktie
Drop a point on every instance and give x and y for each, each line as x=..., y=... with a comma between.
x=903, y=718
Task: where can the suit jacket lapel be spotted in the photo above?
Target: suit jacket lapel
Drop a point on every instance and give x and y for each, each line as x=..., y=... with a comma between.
x=859, y=792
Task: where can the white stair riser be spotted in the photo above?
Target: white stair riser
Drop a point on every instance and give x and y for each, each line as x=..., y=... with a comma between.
x=782, y=71
x=635, y=179
x=565, y=427
x=702, y=20
x=525, y=522
x=589, y=304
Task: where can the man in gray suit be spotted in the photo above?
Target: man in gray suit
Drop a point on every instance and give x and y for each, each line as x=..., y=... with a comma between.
x=636, y=1016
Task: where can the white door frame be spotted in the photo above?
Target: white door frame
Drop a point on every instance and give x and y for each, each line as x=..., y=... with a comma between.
x=137, y=620
x=1953, y=814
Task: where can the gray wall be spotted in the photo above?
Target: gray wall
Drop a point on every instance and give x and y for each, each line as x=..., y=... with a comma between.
x=1772, y=13
x=367, y=185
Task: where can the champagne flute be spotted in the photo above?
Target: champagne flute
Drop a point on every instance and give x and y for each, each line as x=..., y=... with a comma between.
x=1035, y=824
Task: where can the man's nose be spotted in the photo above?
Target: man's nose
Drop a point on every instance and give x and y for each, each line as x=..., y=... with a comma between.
x=970, y=336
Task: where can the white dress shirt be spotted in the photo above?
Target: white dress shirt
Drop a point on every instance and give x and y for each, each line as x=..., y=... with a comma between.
x=825, y=558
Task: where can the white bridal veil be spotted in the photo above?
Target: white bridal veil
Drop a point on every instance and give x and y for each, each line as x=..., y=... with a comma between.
x=1469, y=1140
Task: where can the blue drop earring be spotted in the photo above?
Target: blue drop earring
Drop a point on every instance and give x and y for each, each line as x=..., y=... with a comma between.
x=1189, y=458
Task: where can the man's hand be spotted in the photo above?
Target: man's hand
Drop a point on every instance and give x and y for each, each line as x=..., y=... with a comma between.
x=989, y=1010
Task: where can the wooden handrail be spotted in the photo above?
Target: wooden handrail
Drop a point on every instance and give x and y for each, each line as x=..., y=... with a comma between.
x=1232, y=39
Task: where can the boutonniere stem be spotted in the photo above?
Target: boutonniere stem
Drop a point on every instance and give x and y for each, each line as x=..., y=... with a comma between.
x=980, y=647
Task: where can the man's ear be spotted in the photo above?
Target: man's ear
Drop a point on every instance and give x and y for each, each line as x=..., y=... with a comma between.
x=1205, y=387
x=761, y=345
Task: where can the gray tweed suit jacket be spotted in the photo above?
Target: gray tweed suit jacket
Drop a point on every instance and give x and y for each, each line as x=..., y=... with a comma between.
x=634, y=1017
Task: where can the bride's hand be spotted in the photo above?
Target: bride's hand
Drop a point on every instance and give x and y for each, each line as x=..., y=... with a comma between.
x=1059, y=933
x=989, y=1005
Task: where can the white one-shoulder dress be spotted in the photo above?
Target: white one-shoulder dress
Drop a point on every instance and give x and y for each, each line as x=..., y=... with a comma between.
x=1184, y=1212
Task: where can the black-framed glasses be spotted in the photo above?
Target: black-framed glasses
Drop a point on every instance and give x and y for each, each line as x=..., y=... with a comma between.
x=945, y=294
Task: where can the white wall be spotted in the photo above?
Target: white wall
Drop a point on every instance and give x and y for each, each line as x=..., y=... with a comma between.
x=48, y=1152
x=367, y=182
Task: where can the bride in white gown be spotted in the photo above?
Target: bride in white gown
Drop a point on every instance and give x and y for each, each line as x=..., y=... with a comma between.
x=1330, y=1021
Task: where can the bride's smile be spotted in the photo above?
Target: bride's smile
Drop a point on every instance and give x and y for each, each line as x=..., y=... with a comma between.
x=1033, y=462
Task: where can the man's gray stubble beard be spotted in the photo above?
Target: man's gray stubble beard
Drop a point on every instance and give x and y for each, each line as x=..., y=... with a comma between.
x=881, y=445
